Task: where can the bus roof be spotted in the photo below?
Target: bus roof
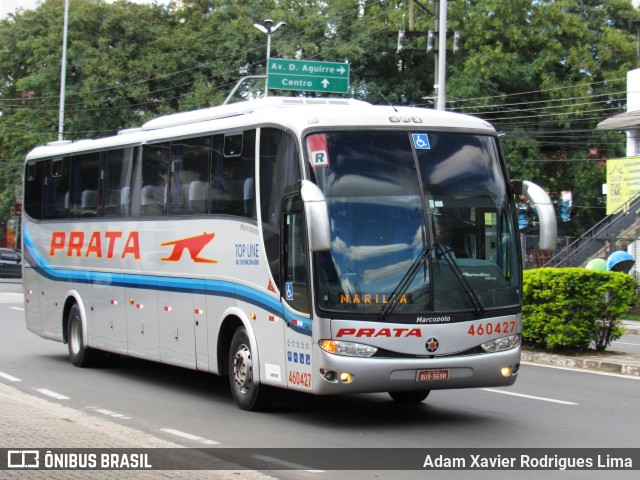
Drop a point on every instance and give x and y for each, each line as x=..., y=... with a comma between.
x=296, y=114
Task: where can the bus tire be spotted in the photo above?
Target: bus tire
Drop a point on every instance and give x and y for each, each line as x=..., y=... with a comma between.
x=246, y=393
x=80, y=354
x=416, y=396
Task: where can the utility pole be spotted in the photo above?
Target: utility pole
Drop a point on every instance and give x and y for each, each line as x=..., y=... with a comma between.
x=441, y=53
x=636, y=23
x=436, y=44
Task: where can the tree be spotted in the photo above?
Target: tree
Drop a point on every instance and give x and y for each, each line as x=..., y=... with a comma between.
x=114, y=76
x=544, y=72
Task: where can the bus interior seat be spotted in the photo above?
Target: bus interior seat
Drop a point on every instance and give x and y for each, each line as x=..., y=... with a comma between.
x=152, y=202
x=125, y=200
x=198, y=192
x=88, y=202
x=248, y=197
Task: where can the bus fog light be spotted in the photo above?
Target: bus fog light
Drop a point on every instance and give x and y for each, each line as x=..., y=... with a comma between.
x=500, y=344
x=347, y=349
x=329, y=375
x=346, y=377
x=506, y=371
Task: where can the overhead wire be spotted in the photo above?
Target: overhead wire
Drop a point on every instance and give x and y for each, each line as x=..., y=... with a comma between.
x=516, y=117
x=228, y=60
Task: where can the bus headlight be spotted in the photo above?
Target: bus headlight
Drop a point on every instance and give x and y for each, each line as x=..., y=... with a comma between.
x=503, y=343
x=348, y=349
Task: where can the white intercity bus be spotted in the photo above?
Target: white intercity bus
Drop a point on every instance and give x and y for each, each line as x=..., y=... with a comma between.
x=322, y=245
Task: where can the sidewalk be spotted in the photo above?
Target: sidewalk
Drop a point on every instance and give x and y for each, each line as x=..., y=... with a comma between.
x=29, y=422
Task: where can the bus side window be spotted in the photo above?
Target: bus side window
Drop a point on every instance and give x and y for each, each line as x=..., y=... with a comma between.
x=56, y=188
x=295, y=288
x=115, y=177
x=238, y=172
x=151, y=186
x=34, y=189
x=189, y=184
x=85, y=176
x=279, y=176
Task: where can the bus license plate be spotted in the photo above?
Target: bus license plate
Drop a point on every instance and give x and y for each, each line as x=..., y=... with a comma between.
x=432, y=375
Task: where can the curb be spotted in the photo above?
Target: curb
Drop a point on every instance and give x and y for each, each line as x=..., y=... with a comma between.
x=631, y=328
x=609, y=362
x=609, y=365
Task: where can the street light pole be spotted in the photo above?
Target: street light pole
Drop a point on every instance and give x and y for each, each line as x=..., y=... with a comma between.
x=63, y=71
x=268, y=28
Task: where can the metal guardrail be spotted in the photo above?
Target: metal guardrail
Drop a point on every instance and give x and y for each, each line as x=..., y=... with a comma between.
x=606, y=230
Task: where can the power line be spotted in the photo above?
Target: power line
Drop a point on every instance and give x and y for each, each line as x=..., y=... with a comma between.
x=504, y=114
x=546, y=103
x=552, y=89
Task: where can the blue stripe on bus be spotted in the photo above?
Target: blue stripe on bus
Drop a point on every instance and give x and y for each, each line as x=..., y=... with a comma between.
x=171, y=284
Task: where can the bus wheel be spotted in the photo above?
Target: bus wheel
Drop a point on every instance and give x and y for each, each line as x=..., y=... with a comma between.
x=247, y=394
x=81, y=355
x=410, y=397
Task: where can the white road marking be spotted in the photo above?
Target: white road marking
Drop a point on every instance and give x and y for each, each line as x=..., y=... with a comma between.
x=49, y=393
x=284, y=463
x=583, y=370
x=11, y=378
x=543, y=399
x=17, y=308
x=109, y=413
x=189, y=436
x=11, y=297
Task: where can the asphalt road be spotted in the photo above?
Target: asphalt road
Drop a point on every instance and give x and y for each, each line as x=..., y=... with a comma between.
x=627, y=344
x=547, y=407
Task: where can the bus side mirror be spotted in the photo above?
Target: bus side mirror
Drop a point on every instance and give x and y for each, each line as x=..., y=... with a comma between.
x=544, y=208
x=317, y=213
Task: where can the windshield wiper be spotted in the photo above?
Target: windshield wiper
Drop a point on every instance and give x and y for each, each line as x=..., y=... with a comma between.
x=404, y=284
x=445, y=253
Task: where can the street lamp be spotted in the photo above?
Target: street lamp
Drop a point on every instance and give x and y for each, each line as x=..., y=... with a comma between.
x=63, y=71
x=268, y=28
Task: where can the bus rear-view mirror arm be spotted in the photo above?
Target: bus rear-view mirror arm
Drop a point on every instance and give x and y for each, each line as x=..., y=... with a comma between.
x=545, y=210
x=317, y=213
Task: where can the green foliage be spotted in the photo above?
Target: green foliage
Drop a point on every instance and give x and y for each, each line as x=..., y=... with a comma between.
x=543, y=72
x=574, y=308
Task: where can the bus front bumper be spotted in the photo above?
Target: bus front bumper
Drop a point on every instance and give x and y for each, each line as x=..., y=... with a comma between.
x=334, y=374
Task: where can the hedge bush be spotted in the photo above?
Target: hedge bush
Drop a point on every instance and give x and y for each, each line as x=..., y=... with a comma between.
x=574, y=308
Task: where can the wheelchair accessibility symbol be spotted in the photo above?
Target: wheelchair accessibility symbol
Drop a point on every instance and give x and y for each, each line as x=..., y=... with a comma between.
x=421, y=141
x=289, y=291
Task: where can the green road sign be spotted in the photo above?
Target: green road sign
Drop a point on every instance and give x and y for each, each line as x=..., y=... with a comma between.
x=308, y=76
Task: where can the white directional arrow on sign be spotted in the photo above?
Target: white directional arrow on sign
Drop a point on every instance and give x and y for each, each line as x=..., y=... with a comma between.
x=307, y=75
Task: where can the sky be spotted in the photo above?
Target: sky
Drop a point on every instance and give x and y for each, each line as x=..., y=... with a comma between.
x=10, y=6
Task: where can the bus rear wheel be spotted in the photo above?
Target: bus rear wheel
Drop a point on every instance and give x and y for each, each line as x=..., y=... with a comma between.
x=410, y=397
x=80, y=354
x=246, y=393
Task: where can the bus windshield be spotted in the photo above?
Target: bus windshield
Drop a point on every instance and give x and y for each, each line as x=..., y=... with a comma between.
x=434, y=204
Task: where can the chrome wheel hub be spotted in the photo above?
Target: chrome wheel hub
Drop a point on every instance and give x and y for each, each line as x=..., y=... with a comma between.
x=242, y=369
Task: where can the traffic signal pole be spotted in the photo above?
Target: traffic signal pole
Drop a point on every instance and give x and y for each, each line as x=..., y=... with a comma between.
x=441, y=54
